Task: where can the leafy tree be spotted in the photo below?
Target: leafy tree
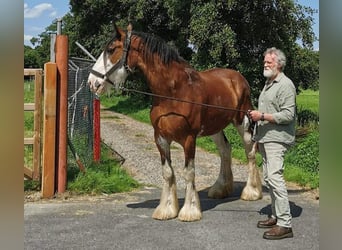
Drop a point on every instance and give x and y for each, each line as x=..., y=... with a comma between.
x=31, y=57
x=208, y=33
x=235, y=34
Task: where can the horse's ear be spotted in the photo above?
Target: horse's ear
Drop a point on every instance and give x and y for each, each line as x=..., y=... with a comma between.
x=117, y=32
x=129, y=27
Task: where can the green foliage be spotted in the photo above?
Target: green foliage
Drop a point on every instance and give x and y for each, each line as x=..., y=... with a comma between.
x=31, y=57
x=209, y=34
x=103, y=177
x=106, y=176
x=301, y=177
x=308, y=100
x=306, y=117
x=136, y=106
x=305, y=154
x=28, y=115
x=30, y=185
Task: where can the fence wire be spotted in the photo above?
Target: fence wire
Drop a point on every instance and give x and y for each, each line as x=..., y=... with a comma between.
x=80, y=111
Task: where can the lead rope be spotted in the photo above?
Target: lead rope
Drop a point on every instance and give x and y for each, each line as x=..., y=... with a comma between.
x=180, y=100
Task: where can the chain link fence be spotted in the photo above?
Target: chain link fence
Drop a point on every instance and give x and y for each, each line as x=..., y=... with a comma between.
x=80, y=112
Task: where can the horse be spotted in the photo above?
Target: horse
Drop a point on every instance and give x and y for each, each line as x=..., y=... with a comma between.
x=186, y=104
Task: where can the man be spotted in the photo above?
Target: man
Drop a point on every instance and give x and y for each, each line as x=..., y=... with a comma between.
x=275, y=133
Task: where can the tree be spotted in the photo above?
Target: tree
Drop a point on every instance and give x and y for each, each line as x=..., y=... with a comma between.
x=31, y=57
x=236, y=33
x=208, y=33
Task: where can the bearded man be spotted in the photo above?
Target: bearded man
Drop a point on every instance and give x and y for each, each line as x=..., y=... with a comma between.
x=275, y=133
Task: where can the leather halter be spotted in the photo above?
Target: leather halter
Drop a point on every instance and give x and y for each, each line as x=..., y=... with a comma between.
x=120, y=63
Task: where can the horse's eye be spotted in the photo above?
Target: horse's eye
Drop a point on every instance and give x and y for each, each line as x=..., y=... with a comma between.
x=110, y=50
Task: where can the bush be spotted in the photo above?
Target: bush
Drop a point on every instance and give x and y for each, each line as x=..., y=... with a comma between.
x=306, y=117
x=305, y=154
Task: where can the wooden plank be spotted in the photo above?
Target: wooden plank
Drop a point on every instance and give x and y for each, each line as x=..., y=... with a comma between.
x=28, y=141
x=31, y=72
x=49, y=129
x=29, y=106
x=28, y=173
x=37, y=124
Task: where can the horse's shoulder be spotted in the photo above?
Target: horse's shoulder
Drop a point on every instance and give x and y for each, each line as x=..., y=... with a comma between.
x=192, y=75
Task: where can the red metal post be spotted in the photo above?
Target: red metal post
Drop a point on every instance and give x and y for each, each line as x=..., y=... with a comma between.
x=62, y=47
x=97, y=132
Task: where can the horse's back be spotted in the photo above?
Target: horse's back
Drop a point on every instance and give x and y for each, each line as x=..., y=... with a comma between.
x=233, y=76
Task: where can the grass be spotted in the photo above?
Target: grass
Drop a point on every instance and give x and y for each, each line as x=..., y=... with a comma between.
x=308, y=99
x=139, y=108
x=28, y=127
x=106, y=176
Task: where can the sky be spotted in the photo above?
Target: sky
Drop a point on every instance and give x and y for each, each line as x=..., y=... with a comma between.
x=39, y=14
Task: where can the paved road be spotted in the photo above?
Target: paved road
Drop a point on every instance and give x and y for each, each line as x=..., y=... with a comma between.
x=123, y=221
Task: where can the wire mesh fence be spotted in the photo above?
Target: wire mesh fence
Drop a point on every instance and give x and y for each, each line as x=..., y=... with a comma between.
x=80, y=112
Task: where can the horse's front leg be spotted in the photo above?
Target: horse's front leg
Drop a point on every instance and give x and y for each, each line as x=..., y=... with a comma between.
x=191, y=210
x=168, y=206
x=253, y=189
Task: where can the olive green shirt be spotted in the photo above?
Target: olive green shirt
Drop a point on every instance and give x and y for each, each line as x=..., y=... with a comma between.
x=279, y=99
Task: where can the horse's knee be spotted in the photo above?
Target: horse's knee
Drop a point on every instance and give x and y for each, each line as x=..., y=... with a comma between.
x=167, y=172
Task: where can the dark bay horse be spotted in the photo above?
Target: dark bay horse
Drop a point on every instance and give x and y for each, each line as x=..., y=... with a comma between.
x=168, y=75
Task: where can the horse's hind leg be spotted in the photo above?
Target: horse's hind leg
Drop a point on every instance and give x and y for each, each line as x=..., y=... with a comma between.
x=191, y=210
x=253, y=189
x=224, y=183
x=168, y=206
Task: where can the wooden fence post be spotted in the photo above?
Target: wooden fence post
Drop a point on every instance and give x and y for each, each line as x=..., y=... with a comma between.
x=49, y=130
x=62, y=48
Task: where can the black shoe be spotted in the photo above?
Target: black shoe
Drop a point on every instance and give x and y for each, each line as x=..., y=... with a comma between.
x=269, y=223
x=278, y=232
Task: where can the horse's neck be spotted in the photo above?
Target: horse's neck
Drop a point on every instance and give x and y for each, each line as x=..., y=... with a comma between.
x=162, y=78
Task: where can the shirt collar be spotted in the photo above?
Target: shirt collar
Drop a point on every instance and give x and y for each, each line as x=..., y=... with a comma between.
x=277, y=79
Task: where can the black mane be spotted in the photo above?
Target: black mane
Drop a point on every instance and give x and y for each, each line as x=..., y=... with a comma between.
x=154, y=44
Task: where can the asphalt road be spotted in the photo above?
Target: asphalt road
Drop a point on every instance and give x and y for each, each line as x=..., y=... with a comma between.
x=123, y=221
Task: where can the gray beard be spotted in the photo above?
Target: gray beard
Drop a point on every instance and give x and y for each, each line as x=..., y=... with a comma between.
x=268, y=73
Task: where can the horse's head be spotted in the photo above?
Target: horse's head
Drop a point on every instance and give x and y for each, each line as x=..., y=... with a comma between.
x=110, y=69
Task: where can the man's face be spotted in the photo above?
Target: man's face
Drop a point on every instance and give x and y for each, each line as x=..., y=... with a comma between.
x=271, y=68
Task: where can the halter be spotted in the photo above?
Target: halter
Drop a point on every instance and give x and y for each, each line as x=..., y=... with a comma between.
x=120, y=63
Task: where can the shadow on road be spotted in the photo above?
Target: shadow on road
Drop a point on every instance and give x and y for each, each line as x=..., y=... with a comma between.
x=209, y=204
x=206, y=203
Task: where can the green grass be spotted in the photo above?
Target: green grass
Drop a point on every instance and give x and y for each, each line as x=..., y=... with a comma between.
x=304, y=178
x=28, y=125
x=106, y=176
x=139, y=108
x=308, y=99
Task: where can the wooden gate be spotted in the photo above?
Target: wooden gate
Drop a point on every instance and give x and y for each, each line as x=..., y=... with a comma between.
x=33, y=172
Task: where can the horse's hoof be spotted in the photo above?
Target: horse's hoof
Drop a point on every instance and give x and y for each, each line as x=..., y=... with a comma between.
x=249, y=194
x=189, y=215
x=164, y=214
x=220, y=191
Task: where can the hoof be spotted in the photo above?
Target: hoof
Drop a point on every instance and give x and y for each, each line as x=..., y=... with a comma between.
x=219, y=191
x=161, y=213
x=249, y=194
x=190, y=214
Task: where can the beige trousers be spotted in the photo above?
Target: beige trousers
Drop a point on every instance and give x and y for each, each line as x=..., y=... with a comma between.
x=273, y=167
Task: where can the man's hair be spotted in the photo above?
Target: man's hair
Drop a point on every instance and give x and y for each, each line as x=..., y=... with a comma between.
x=281, y=58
